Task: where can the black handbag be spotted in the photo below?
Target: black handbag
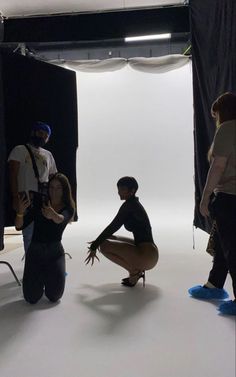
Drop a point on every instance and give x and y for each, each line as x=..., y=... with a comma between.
x=213, y=239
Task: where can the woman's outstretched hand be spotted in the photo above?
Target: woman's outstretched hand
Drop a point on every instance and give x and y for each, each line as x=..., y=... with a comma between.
x=91, y=257
x=23, y=203
x=48, y=211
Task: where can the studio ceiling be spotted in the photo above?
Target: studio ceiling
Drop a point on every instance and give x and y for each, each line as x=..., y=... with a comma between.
x=22, y=8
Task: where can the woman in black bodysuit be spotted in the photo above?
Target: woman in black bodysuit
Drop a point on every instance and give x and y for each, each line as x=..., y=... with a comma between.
x=135, y=255
x=44, y=270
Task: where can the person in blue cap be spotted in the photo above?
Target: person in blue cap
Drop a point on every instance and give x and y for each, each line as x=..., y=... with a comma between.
x=30, y=166
x=44, y=270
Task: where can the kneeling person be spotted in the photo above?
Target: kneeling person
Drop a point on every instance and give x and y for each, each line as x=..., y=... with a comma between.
x=45, y=260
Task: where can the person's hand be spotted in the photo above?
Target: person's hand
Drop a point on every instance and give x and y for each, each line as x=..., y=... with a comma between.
x=48, y=211
x=22, y=203
x=91, y=256
x=15, y=202
x=204, y=206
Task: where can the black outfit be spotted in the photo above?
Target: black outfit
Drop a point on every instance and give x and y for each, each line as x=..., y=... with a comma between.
x=223, y=210
x=45, y=258
x=134, y=218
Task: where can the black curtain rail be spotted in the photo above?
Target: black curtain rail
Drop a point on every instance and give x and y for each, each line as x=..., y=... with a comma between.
x=97, y=26
x=105, y=43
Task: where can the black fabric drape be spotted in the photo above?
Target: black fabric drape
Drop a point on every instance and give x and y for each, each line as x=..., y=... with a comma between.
x=213, y=34
x=34, y=90
x=2, y=160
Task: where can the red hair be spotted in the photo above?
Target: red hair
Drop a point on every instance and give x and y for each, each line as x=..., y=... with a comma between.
x=225, y=106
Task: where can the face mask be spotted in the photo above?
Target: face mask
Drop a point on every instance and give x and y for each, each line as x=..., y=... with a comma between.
x=38, y=141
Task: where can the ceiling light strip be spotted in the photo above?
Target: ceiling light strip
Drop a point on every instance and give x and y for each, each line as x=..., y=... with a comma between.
x=148, y=37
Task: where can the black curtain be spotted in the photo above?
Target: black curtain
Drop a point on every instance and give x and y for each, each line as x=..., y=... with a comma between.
x=35, y=90
x=213, y=34
x=2, y=161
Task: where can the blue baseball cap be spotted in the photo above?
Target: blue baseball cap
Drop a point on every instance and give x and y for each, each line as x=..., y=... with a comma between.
x=42, y=126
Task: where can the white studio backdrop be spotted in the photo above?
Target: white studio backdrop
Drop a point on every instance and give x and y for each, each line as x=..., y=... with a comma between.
x=138, y=124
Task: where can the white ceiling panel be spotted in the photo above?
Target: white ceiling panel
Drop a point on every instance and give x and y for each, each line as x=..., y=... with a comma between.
x=15, y=8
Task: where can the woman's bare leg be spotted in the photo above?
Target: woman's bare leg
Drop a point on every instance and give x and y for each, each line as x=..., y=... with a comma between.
x=124, y=239
x=129, y=256
x=111, y=250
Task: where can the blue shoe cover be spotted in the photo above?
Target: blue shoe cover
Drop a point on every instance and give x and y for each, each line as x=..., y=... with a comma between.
x=228, y=307
x=208, y=293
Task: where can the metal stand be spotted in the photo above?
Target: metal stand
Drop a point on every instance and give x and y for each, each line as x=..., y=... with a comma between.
x=12, y=271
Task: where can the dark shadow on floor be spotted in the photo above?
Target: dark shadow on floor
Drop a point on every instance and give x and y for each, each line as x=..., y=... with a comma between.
x=118, y=304
x=15, y=314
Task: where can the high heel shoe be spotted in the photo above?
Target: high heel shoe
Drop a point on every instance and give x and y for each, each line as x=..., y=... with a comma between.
x=128, y=283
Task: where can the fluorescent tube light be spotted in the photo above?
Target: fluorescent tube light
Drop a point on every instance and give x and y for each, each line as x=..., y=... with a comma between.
x=148, y=37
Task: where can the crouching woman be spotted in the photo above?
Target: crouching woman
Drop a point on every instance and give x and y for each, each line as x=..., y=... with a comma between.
x=136, y=254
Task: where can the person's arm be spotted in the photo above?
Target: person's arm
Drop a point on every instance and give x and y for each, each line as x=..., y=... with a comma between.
x=52, y=167
x=213, y=178
x=21, y=220
x=51, y=214
x=222, y=147
x=14, y=167
x=116, y=224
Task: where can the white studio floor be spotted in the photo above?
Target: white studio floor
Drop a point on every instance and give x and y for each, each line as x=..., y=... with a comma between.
x=102, y=329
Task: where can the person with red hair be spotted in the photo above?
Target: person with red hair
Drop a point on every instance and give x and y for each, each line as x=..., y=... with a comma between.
x=221, y=180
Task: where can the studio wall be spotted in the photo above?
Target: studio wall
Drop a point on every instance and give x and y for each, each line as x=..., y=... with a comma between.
x=139, y=124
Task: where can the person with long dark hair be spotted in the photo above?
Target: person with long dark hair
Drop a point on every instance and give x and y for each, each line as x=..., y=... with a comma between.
x=221, y=181
x=135, y=255
x=44, y=270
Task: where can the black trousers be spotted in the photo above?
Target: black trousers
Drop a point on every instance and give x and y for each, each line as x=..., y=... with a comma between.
x=223, y=210
x=44, y=272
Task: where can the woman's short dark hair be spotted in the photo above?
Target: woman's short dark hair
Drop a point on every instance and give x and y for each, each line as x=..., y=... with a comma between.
x=129, y=182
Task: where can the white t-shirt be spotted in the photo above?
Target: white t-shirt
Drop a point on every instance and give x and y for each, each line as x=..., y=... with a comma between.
x=45, y=163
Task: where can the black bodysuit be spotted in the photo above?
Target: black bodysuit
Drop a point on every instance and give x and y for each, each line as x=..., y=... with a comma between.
x=134, y=218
